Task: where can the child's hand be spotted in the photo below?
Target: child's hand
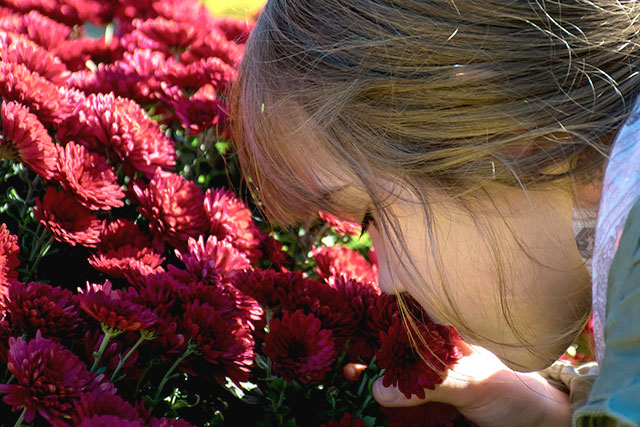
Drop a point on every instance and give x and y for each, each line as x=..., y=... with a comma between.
x=488, y=393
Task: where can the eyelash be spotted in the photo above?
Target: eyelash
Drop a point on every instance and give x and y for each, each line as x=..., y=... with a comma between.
x=366, y=221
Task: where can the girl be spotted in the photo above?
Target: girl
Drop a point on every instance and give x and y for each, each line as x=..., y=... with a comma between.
x=481, y=137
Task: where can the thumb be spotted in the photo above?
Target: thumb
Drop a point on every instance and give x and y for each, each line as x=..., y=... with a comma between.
x=447, y=392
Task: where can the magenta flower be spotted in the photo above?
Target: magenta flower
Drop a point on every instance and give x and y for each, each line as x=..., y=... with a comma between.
x=49, y=379
x=9, y=251
x=213, y=261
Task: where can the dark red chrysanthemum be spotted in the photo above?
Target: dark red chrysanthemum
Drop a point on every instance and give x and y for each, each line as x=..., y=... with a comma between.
x=128, y=262
x=49, y=378
x=214, y=261
x=271, y=288
x=9, y=250
x=407, y=369
x=97, y=403
x=121, y=128
x=346, y=421
x=25, y=139
x=50, y=103
x=230, y=219
x=19, y=49
x=5, y=334
x=88, y=176
x=432, y=414
x=335, y=261
x=174, y=208
x=68, y=220
x=37, y=306
x=122, y=232
x=299, y=348
x=108, y=306
x=225, y=345
x=272, y=251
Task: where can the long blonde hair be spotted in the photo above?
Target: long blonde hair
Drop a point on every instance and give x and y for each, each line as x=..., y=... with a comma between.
x=439, y=94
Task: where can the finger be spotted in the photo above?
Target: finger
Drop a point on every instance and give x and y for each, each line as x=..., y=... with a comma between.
x=352, y=371
x=464, y=348
x=392, y=397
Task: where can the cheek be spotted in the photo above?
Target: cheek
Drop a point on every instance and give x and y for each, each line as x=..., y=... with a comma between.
x=388, y=265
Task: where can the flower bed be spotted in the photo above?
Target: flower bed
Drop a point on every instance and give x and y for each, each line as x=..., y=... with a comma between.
x=136, y=288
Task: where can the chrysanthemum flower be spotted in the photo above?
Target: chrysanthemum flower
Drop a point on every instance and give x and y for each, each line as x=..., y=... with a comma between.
x=132, y=368
x=128, y=262
x=25, y=139
x=214, y=45
x=122, y=232
x=107, y=306
x=42, y=30
x=405, y=368
x=49, y=378
x=132, y=76
x=272, y=251
x=347, y=420
x=225, y=346
x=68, y=220
x=271, y=288
x=192, y=12
x=229, y=218
x=70, y=12
x=9, y=250
x=50, y=103
x=299, y=347
x=171, y=33
x=211, y=71
x=76, y=52
x=236, y=30
x=100, y=403
x=334, y=261
x=19, y=49
x=88, y=176
x=174, y=208
x=169, y=422
x=341, y=226
x=37, y=306
x=123, y=128
x=214, y=261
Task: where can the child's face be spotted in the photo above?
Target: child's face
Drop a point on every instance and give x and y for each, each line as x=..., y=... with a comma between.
x=546, y=295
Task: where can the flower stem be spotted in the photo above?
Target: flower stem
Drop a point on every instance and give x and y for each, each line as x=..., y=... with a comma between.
x=21, y=419
x=190, y=350
x=103, y=346
x=144, y=335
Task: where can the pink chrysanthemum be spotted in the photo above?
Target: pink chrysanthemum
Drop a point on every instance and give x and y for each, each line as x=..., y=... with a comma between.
x=341, y=226
x=50, y=103
x=214, y=261
x=49, y=378
x=37, y=306
x=299, y=347
x=20, y=50
x=9, y=250
x=214, y=45
x=334, y=261
x=108, y=307
x=174, y=208
x=229, y=218
x=199, y=112
x=132, y=76
x=192, y=12
x=121, y=126
x=234, y=29
x=405, y=368
x=88, y=176
x=42, y=30
x=173, y=34
x=347, y=420
x=68, y=220
x=207, y=71
x=225, y=346
x=25, y=139
x=128, y=262
x=70, y=12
